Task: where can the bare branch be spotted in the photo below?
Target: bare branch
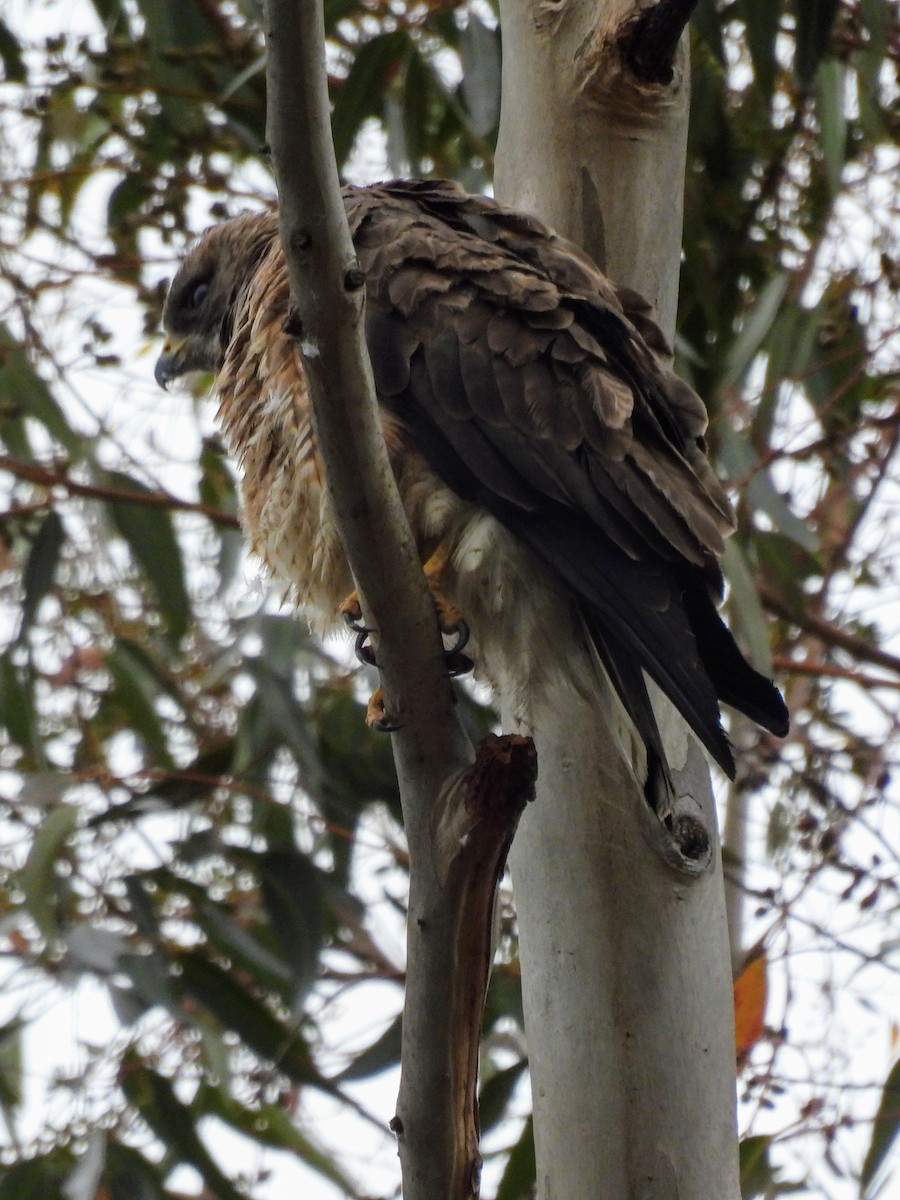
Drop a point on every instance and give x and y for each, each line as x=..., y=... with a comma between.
x=430, y=747
x=826, y=631
x=49, y=477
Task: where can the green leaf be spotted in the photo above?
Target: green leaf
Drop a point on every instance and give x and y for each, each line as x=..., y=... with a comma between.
x=746, y=609
x=24, y=393
x=148, y=530
x=286, y=716
x=17, y=714
x=271, y=1125
x=243, y=947
x=40, y=569
x=11, y=53
x=249, y=1018
x=884, y=1133
x=292, y=894
x=814, y=23
x=129, y=1176
x=11, y=1067
x=761, y=20
x=35, y=1179
x=479, y=50
x=742, y=464
x=756, y=324
x=831, y=88
x=173, y=1123
x=756, y=1171
x=380, y=1056
x=37, y=877
x=496, y=1094
x=520, y=1172
x=360, y=95
x=135, y=692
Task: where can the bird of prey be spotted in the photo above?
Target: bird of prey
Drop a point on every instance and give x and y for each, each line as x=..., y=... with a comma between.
x=552, y=468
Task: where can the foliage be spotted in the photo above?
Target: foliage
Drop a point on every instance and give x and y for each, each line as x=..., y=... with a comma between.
x=197, y=825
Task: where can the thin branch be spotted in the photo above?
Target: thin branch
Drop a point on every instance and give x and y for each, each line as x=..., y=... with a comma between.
x=828, y=632
x=430, y=748
x=50, y=478
x=791, y=666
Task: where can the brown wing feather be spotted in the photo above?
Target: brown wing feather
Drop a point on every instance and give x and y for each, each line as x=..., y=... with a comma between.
x=515, y=380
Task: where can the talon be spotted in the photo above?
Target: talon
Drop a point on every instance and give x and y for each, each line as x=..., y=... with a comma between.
x=363, y=648
x=457, y=664
x=461, y=630
x=377, y=717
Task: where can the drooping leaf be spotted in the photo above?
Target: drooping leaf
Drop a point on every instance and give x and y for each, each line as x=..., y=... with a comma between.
x=40, y=568
x=37, y=877
x=519, y=1174
x=761, y=19
x=23, y=393
x=383, y=1054
x=34, y=1179
x=11, y=54
x=479, y=49
x=248, y=1017
x=148, y=530
x=757, y=1176
x=11, y=1066
x=748, y=618
x=814, y=23
x=135, y=691
x=271, y=1125
x=831, y=87
x=17, y=711
x=129, y=1176
x=496, y=1094
x=243, y=947
x=756, y=325
x=292, y=894
x=884, y=1133
x=173, y=1123
x=360, y=94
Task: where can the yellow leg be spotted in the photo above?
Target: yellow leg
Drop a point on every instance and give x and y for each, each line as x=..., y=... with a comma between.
x=448, y=614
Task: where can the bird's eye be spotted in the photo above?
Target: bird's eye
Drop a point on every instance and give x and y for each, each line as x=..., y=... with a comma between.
x=198, y=294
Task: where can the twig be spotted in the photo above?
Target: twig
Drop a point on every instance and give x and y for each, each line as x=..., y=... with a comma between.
x=831, y=634
x=48, y=478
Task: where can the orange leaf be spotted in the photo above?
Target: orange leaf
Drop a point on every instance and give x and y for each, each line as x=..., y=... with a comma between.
x=750, y=1003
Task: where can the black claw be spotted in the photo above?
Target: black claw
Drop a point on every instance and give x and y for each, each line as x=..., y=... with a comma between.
x=363, y=648
x=457, y=664
x=352, y=623
x=461, y=632
x=386, y=724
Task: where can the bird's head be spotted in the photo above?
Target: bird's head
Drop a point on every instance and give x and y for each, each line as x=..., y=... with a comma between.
x=200, y=305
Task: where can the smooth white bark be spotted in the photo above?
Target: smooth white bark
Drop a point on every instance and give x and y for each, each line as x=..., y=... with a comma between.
x=626, y=968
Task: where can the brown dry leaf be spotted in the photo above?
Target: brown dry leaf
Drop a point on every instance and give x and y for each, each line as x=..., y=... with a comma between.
x=750, y=994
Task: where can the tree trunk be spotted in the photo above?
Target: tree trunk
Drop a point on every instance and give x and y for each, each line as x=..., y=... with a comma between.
x=626, y=970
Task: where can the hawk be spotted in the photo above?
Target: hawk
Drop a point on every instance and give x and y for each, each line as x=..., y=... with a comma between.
x=552, y=468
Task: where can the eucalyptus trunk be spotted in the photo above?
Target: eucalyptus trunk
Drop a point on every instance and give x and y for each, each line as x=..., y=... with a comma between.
x=625, y=957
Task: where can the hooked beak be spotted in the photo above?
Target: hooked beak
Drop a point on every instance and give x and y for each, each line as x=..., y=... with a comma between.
x=170, y=363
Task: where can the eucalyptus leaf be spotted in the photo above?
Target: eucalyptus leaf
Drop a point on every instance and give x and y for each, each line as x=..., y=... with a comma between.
x=40, y=568
x=148, y=530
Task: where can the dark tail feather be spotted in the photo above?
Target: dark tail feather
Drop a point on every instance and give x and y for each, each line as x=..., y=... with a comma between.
x=627, y=677
x=735, y=681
